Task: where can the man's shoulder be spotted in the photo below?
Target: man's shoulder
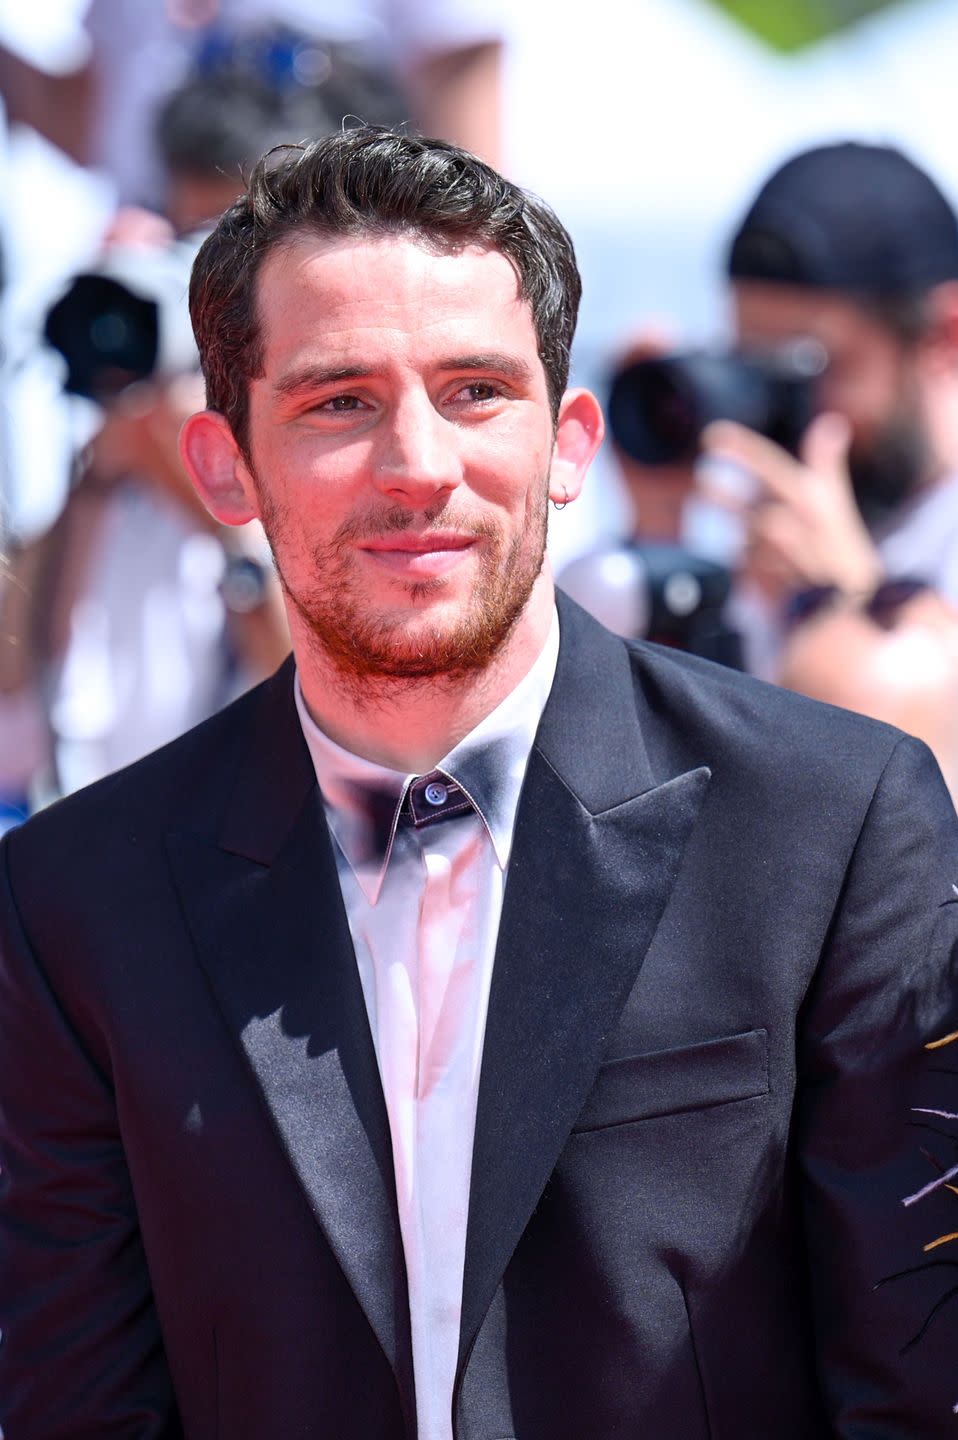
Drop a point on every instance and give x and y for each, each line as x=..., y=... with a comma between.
x=753, y=736
x=715, y=699
x=733, y=695
x=814, y=767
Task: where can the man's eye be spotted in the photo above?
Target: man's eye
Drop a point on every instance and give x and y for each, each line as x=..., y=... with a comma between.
x=479, y=390
x=342, y=403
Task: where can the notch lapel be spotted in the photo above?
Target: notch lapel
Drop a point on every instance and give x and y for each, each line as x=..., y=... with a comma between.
x=265, y=909
x=596, y=852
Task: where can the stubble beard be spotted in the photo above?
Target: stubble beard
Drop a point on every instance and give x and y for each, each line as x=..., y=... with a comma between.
x=373, y=651
x=893, y=467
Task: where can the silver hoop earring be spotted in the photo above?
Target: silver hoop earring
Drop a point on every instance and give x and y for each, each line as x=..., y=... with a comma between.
x=560, y=505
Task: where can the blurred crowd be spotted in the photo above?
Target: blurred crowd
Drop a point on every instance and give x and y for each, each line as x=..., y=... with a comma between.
x=126, y=613
x=792, y=496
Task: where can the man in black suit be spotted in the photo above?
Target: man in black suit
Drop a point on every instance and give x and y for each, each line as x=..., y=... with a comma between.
x=486, y=1027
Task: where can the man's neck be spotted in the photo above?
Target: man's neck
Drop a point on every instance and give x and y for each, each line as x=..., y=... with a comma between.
x=409, y=725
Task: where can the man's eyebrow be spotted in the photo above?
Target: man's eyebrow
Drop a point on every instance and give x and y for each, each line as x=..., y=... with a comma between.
x=306, y=378
x=313, y=377
x=503, y=364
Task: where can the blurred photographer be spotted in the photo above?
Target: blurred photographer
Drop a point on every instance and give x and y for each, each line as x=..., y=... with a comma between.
x=832, y=427
x=135, y=615
x=829, y=433
x=850, y=568
x=854, y=248
x=249, y=89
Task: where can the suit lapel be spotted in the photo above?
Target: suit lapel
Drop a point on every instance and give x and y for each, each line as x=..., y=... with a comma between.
x=598, y=844
x=597, y=848
x=264, y=905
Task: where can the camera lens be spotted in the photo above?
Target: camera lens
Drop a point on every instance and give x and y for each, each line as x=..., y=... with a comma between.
x=659, y=407
x=653, y=412
x=107, y=335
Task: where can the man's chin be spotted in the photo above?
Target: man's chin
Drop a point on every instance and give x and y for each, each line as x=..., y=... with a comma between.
x=445, y=627
x=417, y=643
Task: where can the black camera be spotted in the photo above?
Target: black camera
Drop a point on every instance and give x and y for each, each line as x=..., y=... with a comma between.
x=125, y=321
x=658, y=407
x=107, y=335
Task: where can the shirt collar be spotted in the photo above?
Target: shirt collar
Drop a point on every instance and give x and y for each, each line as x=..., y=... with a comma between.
x=489, y=764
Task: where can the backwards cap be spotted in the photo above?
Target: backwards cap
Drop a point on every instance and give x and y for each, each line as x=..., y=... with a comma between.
x=858, y=218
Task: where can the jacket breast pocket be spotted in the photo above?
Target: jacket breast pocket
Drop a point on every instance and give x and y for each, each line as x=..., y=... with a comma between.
x=666, y=1082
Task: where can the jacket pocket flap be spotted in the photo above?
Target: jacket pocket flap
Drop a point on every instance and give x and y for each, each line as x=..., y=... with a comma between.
x=665, y=1082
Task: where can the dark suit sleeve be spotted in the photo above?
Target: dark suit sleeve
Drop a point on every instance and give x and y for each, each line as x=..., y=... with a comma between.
x=887, y=986
x=81, y=1355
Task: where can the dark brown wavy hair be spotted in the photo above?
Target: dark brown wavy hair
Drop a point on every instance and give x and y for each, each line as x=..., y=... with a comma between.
x=371, y=181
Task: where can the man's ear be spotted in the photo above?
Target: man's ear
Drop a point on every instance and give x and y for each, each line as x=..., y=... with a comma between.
x=215, y=464
x=579, y=434
x=943, y=329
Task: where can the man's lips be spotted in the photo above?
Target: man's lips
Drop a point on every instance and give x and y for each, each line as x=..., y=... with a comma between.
x=417, y=553
x=419, y=542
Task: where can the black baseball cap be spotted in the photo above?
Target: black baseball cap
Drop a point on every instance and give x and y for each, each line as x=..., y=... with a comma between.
x=851, y=217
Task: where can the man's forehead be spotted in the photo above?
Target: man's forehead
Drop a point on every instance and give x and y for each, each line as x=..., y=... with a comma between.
x=395, y=285
x=314, y=254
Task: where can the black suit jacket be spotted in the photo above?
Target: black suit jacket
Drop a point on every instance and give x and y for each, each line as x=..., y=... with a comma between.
x=728, y=931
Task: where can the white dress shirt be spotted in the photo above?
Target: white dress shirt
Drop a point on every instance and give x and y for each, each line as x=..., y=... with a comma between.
x=423, y=907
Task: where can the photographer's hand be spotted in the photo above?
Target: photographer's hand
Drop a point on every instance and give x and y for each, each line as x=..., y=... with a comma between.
x=804, y=528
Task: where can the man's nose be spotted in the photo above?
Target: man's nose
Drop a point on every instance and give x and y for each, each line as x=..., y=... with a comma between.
x=418, y=454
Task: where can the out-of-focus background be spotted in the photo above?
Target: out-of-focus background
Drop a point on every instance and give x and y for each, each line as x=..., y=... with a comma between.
x=648, y=125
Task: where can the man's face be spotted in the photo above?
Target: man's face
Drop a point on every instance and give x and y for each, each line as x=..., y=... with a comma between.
x=400, y=441
x=873, y=379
